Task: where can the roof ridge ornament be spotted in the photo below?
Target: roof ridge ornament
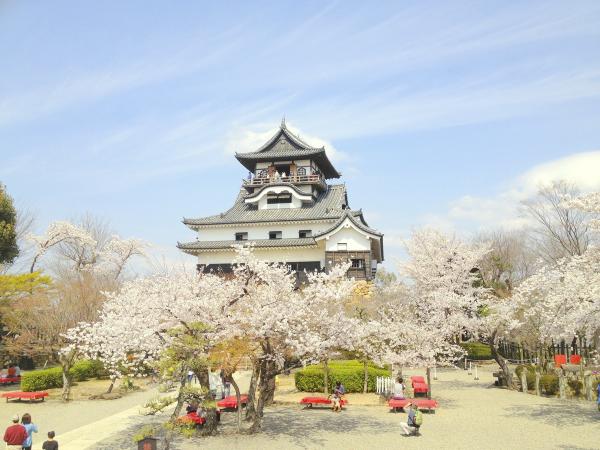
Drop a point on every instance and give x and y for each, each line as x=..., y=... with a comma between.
x=283, y=122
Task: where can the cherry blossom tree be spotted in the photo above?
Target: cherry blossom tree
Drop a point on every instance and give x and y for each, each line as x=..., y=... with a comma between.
x=259, y=304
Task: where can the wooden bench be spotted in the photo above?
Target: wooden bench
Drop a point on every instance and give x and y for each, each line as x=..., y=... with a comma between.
x=422, y=403
x=309, y=402
x=10, y=380
x=39, y=395
x=230, y=402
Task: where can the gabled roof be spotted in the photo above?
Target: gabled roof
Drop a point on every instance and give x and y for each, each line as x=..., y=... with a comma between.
x=329, y=205
x=192, y=247
x=285, y=146
x=356, y=219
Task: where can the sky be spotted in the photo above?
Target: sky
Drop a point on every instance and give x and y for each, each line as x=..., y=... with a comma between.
x=443, y=114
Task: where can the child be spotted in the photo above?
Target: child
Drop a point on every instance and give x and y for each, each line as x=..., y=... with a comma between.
x=336, y=402
x=50, y=444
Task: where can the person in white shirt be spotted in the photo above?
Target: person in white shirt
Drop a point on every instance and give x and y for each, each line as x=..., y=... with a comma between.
x=399, y=389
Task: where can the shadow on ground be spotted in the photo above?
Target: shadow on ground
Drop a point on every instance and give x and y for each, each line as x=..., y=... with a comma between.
x=562, y=413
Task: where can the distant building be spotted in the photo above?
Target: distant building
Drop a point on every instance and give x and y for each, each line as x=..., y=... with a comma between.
x=290, y=213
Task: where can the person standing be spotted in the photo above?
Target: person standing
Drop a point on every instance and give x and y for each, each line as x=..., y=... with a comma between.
x=15, y=435
x=30, y=428
x=50, y=444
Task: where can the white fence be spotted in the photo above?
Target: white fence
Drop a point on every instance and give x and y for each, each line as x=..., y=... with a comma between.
x=385, y=385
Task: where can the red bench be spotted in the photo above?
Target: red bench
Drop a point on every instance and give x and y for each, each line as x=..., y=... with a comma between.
x=310, y=401
x=192, y=417
x=417, y=379
x=559, y=360
x=422, y=403
x=231, y=401
x=575, y=359
x=25, y=395
x=420, y=388
x=10, y=380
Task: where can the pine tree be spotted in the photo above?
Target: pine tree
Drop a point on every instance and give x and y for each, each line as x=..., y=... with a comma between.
x=8, y=234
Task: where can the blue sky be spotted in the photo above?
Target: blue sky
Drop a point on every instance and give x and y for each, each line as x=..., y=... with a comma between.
x=436, y=113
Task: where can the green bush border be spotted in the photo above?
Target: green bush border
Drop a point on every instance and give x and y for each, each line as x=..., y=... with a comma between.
x=349, y=372
x=37, y=380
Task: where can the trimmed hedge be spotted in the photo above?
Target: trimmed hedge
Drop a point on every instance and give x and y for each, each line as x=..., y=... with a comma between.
x=477, y=350
x=349, y=372
x=38, y=380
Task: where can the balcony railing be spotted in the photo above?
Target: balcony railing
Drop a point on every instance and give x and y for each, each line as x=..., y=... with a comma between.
x=296, y=179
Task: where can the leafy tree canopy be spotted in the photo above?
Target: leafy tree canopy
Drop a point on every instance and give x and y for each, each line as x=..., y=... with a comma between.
x=8, y=234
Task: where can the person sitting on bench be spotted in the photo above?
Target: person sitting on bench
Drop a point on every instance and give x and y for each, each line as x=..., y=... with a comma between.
x=399, y=389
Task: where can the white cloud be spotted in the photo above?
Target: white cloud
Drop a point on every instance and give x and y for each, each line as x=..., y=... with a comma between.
x=502, y=210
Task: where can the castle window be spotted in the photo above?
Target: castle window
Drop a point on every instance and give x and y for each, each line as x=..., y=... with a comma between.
x=241, y=236
x=284, y=197
x=305, y=233
x=301, y=171
x=342, y=247
x=274, y=234
x=358, y=263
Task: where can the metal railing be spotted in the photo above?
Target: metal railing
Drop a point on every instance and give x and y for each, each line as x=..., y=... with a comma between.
x=260, y=181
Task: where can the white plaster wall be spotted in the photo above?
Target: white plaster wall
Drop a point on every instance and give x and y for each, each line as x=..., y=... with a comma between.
x=355, y=240
x=283, y=255
x=260, y=231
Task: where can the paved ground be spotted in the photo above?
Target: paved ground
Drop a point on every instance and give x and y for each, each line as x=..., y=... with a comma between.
x=472, y=415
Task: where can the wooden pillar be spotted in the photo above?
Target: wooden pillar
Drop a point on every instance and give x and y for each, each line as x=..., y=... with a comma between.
x=537, y=382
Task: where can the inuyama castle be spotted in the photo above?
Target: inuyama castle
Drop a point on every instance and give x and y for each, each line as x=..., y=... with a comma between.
x=291, y=213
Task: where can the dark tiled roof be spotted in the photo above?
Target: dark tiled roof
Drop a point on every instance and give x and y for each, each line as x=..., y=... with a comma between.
x=329, y=204
x=283, y=146
x=260, y=243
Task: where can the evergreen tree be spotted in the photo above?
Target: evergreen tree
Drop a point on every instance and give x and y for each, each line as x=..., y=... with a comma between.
x=8, y=233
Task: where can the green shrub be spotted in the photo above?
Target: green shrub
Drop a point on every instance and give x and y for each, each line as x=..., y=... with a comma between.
x=349, y=372
x=37, y=380
x=576, y=387
x=477, y=350
x=549, y=383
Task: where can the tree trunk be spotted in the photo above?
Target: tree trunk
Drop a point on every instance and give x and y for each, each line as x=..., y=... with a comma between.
x=210, y=426
x=524, y=380
x=429, y=383
x=66, y=377
x=251, y=406
x=537, y=382
x=270, y=393
x=325, y=377
x=238, y=398
x=180, y=396
x=562, y=384
x=366, y=376
x=263, y=385
x=587, y=383
x=112, y=385
x=501, y=361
